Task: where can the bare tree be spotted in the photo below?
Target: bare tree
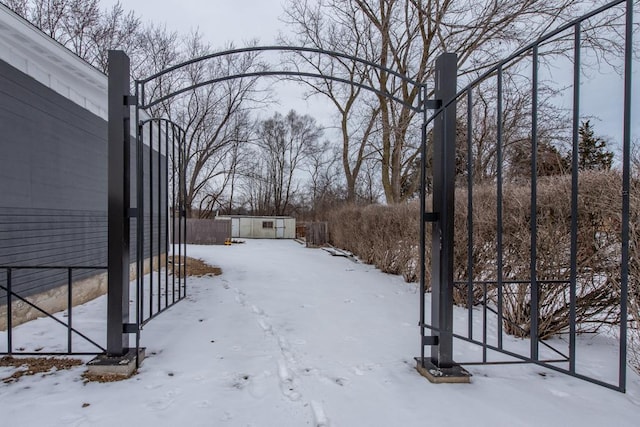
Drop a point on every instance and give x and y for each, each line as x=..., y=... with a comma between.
x=286, y=143
x=116, y=29
x=323, y=185
x=357, y=112
x=83, y=27
x=215, y=117
x=408, y=35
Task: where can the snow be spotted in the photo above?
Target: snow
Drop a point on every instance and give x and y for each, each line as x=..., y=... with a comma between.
x=289, y=336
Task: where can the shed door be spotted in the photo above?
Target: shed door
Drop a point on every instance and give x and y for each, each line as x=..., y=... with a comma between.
x=279, y=228
x=235, y=227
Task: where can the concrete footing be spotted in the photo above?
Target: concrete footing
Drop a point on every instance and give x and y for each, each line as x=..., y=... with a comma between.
x=121, y=366
x=454, y=375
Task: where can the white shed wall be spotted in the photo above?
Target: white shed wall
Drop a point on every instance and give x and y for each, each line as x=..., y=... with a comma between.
x=251, y=227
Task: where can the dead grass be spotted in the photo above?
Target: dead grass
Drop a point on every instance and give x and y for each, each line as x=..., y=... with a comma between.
x=104, y=378
x=197, y=267
x=36, y=365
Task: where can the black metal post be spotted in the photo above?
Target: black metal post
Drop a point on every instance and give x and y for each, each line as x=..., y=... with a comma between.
x=535, y=290
x=423, y=194
x=499, y=202
x=574, y=197
x=444, y=150
x=626, y=188
x=118, y=204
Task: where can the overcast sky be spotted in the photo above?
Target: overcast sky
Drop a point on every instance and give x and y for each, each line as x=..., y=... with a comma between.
x=219, y=20
x=238, y=21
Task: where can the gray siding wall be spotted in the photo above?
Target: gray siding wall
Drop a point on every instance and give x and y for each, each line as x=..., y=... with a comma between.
x=53, y=184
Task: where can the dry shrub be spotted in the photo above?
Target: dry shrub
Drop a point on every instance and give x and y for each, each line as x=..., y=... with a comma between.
x=598, y=251
x=634, y=278
x=387, y=236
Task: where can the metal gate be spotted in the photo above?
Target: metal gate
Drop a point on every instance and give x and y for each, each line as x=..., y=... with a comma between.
x=147, y=214
x=488, y=292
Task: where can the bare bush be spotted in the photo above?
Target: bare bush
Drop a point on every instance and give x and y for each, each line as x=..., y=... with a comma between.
x=597, y=256
x=387, y=236
x=634, y=278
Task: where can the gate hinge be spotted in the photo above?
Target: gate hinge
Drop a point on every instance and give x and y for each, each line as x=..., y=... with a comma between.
x=130, y=100
x=430, y=340
x=431, y=216
x=433, y=104
x=129, y=328
x=133, y=212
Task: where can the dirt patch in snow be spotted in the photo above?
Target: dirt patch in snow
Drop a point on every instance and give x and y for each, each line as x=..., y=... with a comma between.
x=36, y=365
x=197, y=267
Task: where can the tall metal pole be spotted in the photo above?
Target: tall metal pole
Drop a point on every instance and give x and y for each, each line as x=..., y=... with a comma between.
x=118, y=204
x=444, y=151
x=440, y=367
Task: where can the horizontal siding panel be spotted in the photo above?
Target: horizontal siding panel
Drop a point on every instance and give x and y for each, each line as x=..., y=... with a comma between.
x=53, y=187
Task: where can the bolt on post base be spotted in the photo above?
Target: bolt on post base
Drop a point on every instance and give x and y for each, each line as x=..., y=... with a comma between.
x=453, y=375
x=119, y=366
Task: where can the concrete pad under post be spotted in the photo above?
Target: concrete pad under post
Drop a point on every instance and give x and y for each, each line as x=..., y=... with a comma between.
x=453, y=375
x=121, y=366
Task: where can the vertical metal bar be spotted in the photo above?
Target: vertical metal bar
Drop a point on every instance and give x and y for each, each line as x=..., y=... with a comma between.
x=119, y=202
x=574, y=200
x=159, y=227
x=9, y=311
x=444, y=151
x=484, y=322
x=184, y=215
x=535, y=292
x=151, y=136
x=139, y=167
x=470, y=213
x=423, y=244
x=69, y=310
x=173, y=217
x=499, y=208
x=139, y=293
x=626, y=181
x=140, y=222
x=180, y=209
x=165, y=184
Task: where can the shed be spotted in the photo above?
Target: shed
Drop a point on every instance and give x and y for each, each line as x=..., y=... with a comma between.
x=262, y=227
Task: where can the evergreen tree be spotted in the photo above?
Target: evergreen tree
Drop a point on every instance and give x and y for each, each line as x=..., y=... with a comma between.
x=549, y=160
x=592, y=150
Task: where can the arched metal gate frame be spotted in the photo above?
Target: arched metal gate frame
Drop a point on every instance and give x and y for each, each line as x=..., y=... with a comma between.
x=120, y=211
x=438, y=333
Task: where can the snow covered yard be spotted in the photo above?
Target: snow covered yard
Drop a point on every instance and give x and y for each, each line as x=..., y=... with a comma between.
x=289, y=336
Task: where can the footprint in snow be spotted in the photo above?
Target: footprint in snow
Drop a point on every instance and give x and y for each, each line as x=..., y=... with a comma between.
x=258, y=387
x=266, y=327
x=74, y=420
x=559, y=393
x=162, y=403
x=204, y=404
x=319, y=417
x=286, y=382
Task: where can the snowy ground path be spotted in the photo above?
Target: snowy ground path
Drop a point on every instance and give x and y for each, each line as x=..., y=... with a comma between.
x=289, y=336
